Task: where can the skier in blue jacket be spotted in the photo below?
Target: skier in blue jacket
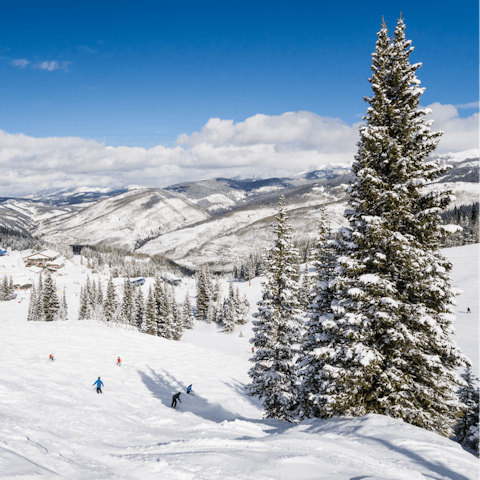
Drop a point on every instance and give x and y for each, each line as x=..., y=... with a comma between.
x=189, y=389
x=99, y=385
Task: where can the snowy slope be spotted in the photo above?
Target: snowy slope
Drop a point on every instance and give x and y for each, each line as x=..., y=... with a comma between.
x=54, y=425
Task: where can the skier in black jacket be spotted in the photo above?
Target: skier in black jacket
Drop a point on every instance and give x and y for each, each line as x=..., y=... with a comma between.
x=175, y=398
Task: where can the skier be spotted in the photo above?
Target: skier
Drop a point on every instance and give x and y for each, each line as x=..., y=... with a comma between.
x=253, y=350
x=468, y=310
x=99, y=385
x=119, y=362
x=189, y=389
x=175, y=398
x=51, y=357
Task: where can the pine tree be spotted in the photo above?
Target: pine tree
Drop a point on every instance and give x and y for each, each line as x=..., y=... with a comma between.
x=111, y=303
x=127, y=304
x=11, y=289
x=38, y=307
x=32, y=305
x=277, y=327
x=4, y=293
x=51, y=304
x=139, y=308
x=82, y=310
x=229, y=316
x=63, y=308
x=243, y=310
x=211, y=311
x=149, y=325
x=467, y=429
x=317, y=336
x=392, y=352
x=177, y=323
x=187, y=313
x=203, y=294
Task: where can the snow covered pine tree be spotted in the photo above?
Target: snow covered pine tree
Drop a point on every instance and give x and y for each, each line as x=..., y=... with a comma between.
x=317, y=335
x=277, y=327
x=391, y=350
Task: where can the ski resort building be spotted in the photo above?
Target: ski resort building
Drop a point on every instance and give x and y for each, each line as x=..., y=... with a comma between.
x=22, y=282
x=42, y=259
x=56, y=264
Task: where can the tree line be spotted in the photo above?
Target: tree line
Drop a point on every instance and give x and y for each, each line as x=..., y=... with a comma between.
x=212, y=307
x=157, y=313
x=45, y=305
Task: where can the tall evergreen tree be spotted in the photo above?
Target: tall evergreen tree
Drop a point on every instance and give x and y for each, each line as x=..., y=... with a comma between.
x=187, y=313
x=317, y=337
x=149, y=325
x=277, y=327
x=63, y=308
x=32, y=305
x=11, y=289
x=128, y=302
x=111, y=302
x=467, y=429
x=177, y=324
x=51, y=304
x=82, y=310
x=139, y=309
x=391, y=350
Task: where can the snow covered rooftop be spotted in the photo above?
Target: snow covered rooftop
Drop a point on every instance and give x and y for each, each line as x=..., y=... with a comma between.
x=44, y=254
x=35, y=269
x=50, y=253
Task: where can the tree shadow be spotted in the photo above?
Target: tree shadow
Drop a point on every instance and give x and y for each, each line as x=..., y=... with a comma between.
x=434, y=467
x=163, y=386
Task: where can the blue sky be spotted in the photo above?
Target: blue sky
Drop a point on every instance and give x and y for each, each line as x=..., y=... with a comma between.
x=141, y=73
x=108, y=93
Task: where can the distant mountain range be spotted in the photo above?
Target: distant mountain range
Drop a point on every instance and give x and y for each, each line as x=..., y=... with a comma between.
x=210, y=221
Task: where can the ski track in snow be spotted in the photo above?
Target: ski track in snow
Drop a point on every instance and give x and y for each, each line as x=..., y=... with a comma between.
x=54, y=425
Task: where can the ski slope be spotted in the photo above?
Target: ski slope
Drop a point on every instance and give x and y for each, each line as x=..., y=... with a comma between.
x=54, y=425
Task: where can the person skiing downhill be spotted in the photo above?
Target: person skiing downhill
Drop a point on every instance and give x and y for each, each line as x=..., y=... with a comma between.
x=468, y=309
x=189, y=389
x=175, y=398
x=51, y=356
x=253, y=351
x=119, y=362
x=99, y=385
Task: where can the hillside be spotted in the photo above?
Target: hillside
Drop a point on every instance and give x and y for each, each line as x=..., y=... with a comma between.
x=54, y=425
x=123, y=220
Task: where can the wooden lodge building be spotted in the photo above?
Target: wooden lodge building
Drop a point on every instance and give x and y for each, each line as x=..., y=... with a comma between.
x=48, y=259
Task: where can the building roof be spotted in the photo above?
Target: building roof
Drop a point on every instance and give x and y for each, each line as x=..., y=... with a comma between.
x=36, y=256
x=43, y=255
x=59, y=261
x=50, y=253
x=35, y=269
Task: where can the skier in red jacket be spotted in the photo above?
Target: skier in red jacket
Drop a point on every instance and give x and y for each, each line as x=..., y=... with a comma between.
x=119, y=362
x=51, y=357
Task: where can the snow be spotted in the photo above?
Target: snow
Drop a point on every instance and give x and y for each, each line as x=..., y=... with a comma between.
x=55, y=425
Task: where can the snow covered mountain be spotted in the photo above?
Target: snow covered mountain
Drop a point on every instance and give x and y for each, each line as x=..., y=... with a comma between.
x=217, y=220
x=77, y=195
x=124, y=220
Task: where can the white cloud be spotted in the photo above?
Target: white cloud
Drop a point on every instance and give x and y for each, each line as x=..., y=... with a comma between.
x=220, y=148
x=21, y=62
x=468, y=106
x=53, y=65
x=460, y=133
